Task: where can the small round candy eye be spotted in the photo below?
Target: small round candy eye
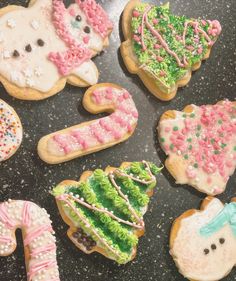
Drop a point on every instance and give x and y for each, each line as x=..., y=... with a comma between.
x=40, y=42
x=222, y=240
x=87, y=29
x=78, y=18
x=206, y=251
x=213, y=247
x=28, y=48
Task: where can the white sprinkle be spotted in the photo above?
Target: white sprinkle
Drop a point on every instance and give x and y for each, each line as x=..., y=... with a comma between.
x=30, y=82
x=38, y=71
x=6, y=54
x=11, y=23
x=35, y=24
x=28, y=72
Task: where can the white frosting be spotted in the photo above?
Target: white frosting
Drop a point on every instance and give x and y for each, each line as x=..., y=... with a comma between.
x=25, y=26
x=189, y=245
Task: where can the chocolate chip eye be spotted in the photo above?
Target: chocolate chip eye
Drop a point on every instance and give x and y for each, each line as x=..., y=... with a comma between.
x=15, y=54
x=28, y=48
x=87, y=29
x=206, y=251
x=213, y=247
x=222, y=240
x=40, y=42
x=78, y=18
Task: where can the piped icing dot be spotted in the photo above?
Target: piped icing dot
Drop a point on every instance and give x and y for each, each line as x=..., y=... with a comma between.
x=15, y=54
x=213, y=247
x=40, y=42
x=222, y=240
x=87, y=29
x=28, y=48
x=78, y=18
x=206, y=251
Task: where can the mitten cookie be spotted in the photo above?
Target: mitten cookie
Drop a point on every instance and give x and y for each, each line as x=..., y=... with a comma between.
x=105, y=208
x=164, y=49
x=203, y=243
x=92, y=136
x=11, y=131
x=39, y=243
x=46, y=45
x=200, y=143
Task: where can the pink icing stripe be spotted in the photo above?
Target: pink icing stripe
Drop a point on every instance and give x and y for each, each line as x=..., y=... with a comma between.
x=96, y=16
x=44, y=249
x=162, y=41
x=35, y=268
x=78, y=137
x=6, y=239
x=26, y=214
x=36, y=233
x=96, y=133
x=4, y=217
x=62, y=143
x=109, y=128
x=142, y=27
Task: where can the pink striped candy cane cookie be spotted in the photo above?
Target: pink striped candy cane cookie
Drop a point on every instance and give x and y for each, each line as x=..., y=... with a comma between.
x=39, y=242
x=94, y=135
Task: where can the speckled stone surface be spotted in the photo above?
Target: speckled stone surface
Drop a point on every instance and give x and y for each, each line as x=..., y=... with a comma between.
x=25, y=176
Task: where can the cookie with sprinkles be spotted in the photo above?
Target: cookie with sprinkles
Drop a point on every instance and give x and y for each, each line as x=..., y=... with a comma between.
x=203, y=242
x=11, y=131
x=105, y=209
x=163, y=49
x=200, y=142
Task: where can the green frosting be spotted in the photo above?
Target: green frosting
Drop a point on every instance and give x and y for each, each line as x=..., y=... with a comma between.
x=167, y=72
x=98, y=191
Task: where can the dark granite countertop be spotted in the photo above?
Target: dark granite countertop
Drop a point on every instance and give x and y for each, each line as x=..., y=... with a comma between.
x=26, y=177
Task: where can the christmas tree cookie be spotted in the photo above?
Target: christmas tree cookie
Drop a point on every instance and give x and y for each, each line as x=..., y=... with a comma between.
x=164, y=49
x=200, y=142
x=105, y=209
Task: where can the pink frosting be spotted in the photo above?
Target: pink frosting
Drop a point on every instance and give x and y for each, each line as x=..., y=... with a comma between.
x=96, y=16
x=36, y=233
x=4, y=216
x=26, y=214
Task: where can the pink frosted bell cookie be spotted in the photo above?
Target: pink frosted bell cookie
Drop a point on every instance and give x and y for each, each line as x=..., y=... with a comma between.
x=10, y=131
x=39, y=243
x=95, y=135
x=200, y=142
x=46, y=45
x=203, y=243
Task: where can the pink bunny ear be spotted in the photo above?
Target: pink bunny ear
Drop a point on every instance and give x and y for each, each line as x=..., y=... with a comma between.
x=96, y=16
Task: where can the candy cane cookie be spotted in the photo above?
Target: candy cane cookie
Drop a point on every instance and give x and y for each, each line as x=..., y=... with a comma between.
x=200, y=142
x=95, y=135
x=11, y=131
x=105, y=209
x=39, y=242
x=203, y=242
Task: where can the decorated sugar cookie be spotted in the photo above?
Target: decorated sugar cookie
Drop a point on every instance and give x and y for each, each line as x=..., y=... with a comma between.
x=95, y=135
x=163, y=49
x=10, y=131
x=105, y=208
x=46, y=45
x=203, y=243
x=200, y=142
x=39, y=243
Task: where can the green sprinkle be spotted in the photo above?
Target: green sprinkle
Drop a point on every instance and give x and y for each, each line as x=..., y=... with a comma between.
x=216, y=152
x=190, y=147
x=186, y=156
x=223, y=145
x=235, y=148
x=199, y=127
x=195, y=165
x=175, y=128
x=184, y=115
x=192, y=115
x=171, y=146
x=212, y=141
x=189, y=140
x=220, y=121
x=162, y=139
x=197, y=134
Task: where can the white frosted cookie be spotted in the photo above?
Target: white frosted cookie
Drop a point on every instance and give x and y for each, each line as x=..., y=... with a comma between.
x=200, y=142
x=203, y=243
x=95, y=135
x=46, y=45
x=39, y=242
x=11, y=131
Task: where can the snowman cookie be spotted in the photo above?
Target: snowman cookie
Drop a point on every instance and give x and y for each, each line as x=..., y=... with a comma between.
x=200, y=142
x=203, y=243
x=46, y=45
x=11, y=131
